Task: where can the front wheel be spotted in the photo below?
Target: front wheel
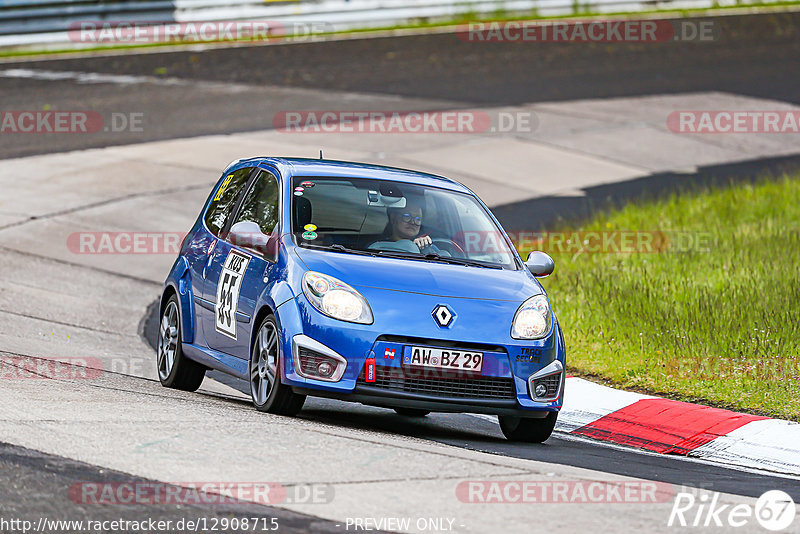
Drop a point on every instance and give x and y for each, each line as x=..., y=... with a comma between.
x=527, y=429
x=174, y=369
x=266, y=390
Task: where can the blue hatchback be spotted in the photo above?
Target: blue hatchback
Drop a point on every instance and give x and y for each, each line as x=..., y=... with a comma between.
x=363, y=283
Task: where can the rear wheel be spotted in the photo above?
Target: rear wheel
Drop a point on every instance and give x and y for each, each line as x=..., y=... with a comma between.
x=174, y=369
x=527, y=429
x=412, y=412
x=266, y=390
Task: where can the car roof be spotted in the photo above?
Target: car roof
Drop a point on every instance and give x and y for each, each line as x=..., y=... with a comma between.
x=351, y=169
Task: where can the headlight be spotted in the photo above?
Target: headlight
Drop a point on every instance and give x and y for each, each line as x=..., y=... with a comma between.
x=533, y=319
x=335, y=298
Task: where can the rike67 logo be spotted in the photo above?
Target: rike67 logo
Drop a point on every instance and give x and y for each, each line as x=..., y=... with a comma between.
x=774, y=510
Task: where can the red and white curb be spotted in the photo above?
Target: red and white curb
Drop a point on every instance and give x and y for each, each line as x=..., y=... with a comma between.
x=679, y=428
x=672, y=427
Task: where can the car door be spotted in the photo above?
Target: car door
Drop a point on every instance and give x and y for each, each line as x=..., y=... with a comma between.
x=237, y=272
x=220, y=209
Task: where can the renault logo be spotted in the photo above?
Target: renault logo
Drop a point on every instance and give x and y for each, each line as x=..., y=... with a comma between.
x=443, y=315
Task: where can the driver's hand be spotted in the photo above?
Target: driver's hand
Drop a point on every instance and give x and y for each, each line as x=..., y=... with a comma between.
x=423, y=242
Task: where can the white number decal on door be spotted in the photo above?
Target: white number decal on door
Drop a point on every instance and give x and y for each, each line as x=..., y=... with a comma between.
x=228, y=286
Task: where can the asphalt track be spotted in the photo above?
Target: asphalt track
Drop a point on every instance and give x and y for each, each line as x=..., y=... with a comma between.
x=34, y=484
x=755, y=56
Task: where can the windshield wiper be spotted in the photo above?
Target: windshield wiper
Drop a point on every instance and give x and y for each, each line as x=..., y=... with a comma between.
x=461, y=261
x=433, y=256
x=338, y=248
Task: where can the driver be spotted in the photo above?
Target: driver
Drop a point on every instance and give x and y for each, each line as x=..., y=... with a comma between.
x=402, y=232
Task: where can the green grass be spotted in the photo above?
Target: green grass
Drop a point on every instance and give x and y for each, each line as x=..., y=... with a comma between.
x=717, y=323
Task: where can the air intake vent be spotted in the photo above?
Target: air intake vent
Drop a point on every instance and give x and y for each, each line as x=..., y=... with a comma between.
x=485, y=387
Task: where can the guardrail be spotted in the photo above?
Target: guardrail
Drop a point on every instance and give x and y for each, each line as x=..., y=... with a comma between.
x=26, y=22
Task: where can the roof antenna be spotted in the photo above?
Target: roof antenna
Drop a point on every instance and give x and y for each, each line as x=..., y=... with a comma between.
x=320, y=153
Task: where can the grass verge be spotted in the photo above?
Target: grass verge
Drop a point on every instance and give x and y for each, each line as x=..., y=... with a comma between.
x=703, y=304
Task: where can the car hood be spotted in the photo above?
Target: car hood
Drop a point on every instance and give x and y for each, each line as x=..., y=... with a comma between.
x=440, y=279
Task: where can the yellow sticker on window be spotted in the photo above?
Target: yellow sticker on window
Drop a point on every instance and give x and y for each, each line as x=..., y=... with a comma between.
x=310, y=227
x=223, y=187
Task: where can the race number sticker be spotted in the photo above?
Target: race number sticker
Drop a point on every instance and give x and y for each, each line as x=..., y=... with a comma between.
x=230, y=281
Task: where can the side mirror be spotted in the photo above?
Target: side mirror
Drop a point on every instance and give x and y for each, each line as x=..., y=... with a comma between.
x=540, y=264
x=247, y=234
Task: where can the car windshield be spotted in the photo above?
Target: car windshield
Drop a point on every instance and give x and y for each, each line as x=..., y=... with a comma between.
x=395, y=219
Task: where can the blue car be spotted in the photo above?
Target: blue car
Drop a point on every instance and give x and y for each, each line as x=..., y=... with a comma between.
x=364, y=283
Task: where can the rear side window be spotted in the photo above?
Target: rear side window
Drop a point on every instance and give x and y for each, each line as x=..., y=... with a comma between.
x=224, y=199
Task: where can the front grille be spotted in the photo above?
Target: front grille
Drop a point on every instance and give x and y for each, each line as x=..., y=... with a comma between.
x=455, y=386
x=552, y=382
x=309, y=360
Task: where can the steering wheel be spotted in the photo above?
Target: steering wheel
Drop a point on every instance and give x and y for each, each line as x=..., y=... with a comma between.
x=451, y=247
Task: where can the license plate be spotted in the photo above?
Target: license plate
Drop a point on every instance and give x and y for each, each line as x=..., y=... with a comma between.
x=444, y=359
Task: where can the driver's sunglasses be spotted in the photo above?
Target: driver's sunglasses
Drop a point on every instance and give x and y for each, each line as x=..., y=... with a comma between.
x=407, y=218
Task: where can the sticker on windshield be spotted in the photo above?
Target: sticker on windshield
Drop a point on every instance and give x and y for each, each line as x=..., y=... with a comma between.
x=310, y=227
x=308, y=184
x=298, y=193
x=299, y=189
x=309, y=235
x=230, y=281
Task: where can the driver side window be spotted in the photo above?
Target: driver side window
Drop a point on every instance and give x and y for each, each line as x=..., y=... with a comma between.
x=261, y=203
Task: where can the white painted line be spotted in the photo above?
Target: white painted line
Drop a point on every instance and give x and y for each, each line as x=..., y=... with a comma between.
x=567, y=436
x=770, y=444
x=117, y=79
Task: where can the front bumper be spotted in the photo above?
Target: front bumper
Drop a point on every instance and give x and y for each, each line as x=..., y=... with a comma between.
x=501, y=388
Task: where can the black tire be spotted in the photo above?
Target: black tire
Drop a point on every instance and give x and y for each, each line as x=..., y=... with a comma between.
x=528, y=429
x=412, y=412
x=279, y=398
x=182, y=373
